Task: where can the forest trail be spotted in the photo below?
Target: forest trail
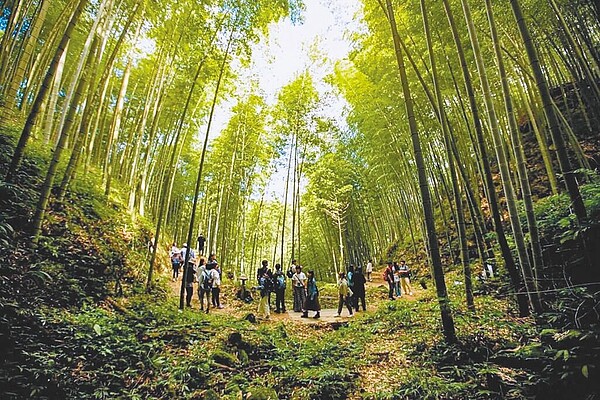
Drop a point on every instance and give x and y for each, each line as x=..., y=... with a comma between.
x=233, y=307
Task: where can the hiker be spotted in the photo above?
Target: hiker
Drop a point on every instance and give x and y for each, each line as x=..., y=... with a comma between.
x=262, y=270
x=359, y=289
x=369, y=270
x=405, y=278
x=176, y=261
x=388, y=276
x=215, y=273
x=279, y=283
x=204, y=284
x=265, y=284
x=397, y=280
x=184, y=251
x=299, y=285
x=312, y=296
x=344, y=293
x=190, y=277
x=350, y=279
x=201, y=242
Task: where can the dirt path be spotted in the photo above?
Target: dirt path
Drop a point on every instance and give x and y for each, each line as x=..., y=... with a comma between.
x=233, y=307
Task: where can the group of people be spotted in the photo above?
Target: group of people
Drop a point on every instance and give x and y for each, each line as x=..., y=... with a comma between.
x=306, y=292
x=351, y=284
x=397, y=277
x=351, y=290
x=205, y=272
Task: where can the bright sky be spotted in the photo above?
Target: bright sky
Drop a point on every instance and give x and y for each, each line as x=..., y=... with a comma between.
x=286, y=52
x=279, y=58
x=317, y=44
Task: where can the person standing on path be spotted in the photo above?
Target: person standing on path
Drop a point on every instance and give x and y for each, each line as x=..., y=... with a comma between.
x=265, y=284
x=369, y=270
x=204, y=285
x=405, y=278
x=359, y=289
x=344, y=293
x=350, y=279
x=264, y=269
x=201, y=242
x=397, y=280
x=215, y=274
x=176, y=261
x=190, y=276
x=312, y=297
x=388, y=276
x=279, y=283
x=299, y=284
x=184, y=251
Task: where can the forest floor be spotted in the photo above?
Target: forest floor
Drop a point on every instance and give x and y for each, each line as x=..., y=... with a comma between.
x=386, y=353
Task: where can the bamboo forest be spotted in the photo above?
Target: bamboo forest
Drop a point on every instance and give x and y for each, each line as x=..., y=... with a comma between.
x=300, y=199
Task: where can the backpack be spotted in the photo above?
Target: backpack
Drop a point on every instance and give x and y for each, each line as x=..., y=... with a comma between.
x=280, y=282
x=386, y=276
x=207, y=280
x=290, y=273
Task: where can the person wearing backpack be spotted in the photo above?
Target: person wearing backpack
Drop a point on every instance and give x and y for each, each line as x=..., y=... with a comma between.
x=279, y=280
x=204, y=285
x=265, y=285
x=176, y=261
x=215, y=274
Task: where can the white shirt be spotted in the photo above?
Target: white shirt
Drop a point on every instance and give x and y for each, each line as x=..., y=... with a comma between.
x=369, y=267
x=200, y=274
x=299, y=278
x=184, y=252
x=216, y=277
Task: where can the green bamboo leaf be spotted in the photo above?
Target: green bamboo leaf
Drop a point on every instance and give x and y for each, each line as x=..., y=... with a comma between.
x=584, y=371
